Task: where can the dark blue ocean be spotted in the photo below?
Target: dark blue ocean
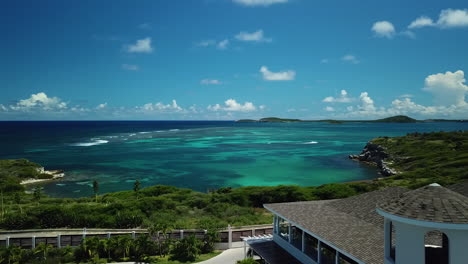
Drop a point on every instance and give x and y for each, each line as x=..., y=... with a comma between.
x=200, y=155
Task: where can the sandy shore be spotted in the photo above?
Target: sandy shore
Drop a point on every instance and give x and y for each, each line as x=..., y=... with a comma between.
x=56, y=174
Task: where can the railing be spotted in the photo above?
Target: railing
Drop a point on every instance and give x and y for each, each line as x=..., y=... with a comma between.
x=73, y=237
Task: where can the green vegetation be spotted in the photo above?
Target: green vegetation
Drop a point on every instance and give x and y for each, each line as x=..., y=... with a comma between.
x=397, y=119
x=425, y=158
x=142, y=249
x=279, y=120
x=12, y=172
x=393, y=119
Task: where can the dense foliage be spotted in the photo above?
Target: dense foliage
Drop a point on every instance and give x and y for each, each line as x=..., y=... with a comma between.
x=12, y=172
x=424, y=158
x=142, y=249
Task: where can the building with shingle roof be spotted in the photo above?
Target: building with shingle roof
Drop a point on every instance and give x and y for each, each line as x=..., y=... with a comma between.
x=389, y=226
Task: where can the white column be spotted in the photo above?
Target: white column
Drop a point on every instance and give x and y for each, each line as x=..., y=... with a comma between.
x=133, y=235
x=245, y=249
x=253, y=232
x=181, y=233
x=108, y=235
x=84, y=232
x=59, y=241
x=387, y=238
x=7, y=241
x=303, y=241
x=33, y=242
x=319, y=252
x=229, y=236
x=289, y=231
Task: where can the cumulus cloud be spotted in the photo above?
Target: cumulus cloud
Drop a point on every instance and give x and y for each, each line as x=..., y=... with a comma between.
x=232, y=105
x=40, y=101
x=383, y=29
x=210, y=82
x=448, y=91
x=256, y=36
x=422, y=21
x=448, y=18
x=259, y=2
x=277, y=76
x=160, y=107
x=447, y=88
x=130, y=67
x=329, y=109
x=223, y=44
x=141, y=46
x=350, y=58
x=101, y=106
x=342, y=99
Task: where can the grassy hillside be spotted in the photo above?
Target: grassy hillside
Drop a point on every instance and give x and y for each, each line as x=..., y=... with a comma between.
x=424, y=158
x=12, y=172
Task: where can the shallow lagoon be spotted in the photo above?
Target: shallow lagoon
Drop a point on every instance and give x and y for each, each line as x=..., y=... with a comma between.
x=198, y=155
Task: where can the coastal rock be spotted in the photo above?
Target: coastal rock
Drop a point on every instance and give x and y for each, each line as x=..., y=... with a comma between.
x=375, y=154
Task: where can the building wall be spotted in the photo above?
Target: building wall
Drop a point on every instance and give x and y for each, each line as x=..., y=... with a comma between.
x=410, y=248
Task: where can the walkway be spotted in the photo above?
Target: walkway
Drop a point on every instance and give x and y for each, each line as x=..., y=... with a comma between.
x=229, y=256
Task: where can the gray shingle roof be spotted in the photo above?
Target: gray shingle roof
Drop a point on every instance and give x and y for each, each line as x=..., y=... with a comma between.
x=350, y=224
x=430, y=203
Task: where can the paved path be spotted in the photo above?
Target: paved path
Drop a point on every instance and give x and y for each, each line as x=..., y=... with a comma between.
x=229, y=256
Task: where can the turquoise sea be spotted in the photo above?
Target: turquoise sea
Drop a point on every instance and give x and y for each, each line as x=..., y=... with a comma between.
x=200, y=155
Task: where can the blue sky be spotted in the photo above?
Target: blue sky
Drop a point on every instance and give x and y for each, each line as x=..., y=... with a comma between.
x=231, y=59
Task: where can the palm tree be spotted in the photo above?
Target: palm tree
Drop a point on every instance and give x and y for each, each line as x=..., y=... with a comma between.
x=126, y=244
x=95, y=189
x=136, y=187
x=43, y=250
x=164, y=228
x=106, y=245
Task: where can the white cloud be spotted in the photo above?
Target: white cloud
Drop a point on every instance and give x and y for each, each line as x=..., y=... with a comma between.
x=448, y=18
x=447, y=88
x=422, y=21
x=223, y=44
x=40, y=101
x=367, y=104
x=3, y=108
x=383, y=29
x=101, y=106
x=329, y=109
x=277, y=76
x=130, y=67
x=342, y=99
x=256, y=36
x=160, y=107
x=232, y=105
x=141, y=46
x=262, y=107
x=453, y=18
x=259, y=2
x=350, y=58
x=210, y=81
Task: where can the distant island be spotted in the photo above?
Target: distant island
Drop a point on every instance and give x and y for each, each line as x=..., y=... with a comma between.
x=393, y=119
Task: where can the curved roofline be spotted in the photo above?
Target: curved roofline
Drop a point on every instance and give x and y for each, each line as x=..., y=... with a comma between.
x=435, y=225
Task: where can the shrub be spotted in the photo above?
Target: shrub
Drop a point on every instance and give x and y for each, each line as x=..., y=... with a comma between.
x=186, y=249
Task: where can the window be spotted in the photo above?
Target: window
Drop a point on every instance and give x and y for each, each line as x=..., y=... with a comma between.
x=296, y=237
x=328, y=254
x=283, y=228
x=310, y=246
x=437, y=247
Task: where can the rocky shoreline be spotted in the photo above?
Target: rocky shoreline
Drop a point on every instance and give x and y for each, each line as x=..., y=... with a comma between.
x=375, y=154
